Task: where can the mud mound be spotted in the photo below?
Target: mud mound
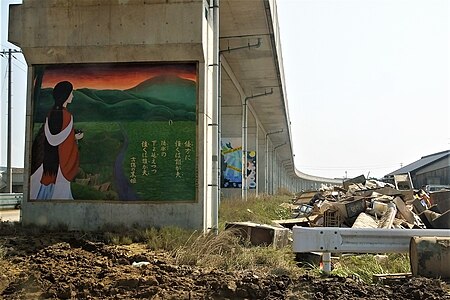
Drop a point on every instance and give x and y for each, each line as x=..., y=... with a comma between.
x=338, y=288
x=72, y=266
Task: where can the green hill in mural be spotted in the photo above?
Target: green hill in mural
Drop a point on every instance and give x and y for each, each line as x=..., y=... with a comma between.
x=157, y=99
x=111, y=96
x=169, y=90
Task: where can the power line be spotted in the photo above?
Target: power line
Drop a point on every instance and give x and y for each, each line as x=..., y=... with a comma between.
x=9, y=54
x=8, y=154
x=4, y=80
x=19, y=67
x=20, y=61
x=10, y=51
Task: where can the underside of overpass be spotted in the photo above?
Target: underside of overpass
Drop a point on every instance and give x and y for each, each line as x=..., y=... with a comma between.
x=252, y=65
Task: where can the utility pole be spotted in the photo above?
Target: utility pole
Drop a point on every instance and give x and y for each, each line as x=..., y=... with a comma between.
x=8, y=151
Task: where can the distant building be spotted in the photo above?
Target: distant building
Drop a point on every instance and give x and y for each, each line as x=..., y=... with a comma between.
x=431, y=169
x=17, y=181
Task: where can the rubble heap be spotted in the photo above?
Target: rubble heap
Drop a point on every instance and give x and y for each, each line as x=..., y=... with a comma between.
x=362, y=203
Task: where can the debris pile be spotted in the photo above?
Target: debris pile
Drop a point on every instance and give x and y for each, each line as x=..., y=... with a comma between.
x=362, y=203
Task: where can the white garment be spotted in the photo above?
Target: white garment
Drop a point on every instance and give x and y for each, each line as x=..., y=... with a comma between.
x=35, y=182
x=57, y=139
x=61, y=189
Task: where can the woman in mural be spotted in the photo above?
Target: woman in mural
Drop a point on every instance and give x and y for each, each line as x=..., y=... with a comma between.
x=55, y=159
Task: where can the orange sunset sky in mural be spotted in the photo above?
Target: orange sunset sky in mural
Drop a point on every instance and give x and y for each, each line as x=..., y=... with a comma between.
x=118, y=76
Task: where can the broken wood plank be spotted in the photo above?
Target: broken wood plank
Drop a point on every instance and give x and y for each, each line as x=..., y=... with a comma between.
x=364, y=221
x=404, y=211
x=289, y=223
x=388, y=218
x=390, y=278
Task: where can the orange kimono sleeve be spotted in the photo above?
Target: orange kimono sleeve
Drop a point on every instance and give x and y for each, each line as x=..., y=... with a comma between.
x=68, y=151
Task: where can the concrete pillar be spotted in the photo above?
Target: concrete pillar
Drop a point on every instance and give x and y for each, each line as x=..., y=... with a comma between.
x=251, y=150
x=261, y=162
x=110, y=32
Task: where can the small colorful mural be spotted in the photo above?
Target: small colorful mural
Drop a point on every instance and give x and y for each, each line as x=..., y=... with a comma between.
x=123, y=132
x=231, y=163
x=251, y=170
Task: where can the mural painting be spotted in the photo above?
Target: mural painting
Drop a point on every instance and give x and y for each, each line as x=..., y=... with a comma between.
x=231, y=163
x=251, y=170
x=123, y=132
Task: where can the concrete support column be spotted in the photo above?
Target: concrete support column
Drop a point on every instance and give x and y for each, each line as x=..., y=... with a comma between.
x=121, y=33
x=213, y=55
x=262, y=163
x=251, y=149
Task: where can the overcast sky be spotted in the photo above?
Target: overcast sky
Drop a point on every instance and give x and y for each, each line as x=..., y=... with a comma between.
x=367, y=84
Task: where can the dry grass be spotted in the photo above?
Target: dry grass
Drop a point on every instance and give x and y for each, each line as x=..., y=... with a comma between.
x=2, y=252
x=262, y=209
x=284, y=192
x=169, y=238
x=166, y=238
x=226, y=251
x=208, y=248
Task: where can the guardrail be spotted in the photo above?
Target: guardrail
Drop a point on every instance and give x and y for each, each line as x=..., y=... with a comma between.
x=13, y=200
x=356, y=240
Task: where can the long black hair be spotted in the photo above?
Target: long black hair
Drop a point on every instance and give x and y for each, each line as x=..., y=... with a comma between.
x=61, y=92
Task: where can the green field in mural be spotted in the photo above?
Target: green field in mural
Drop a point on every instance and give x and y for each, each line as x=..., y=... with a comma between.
x=170, y=168
x=138, y=140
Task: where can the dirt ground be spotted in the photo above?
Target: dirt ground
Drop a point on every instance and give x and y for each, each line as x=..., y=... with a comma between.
x=75, y=266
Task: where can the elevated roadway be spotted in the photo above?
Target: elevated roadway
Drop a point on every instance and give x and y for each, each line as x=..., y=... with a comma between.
x=252, y=64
